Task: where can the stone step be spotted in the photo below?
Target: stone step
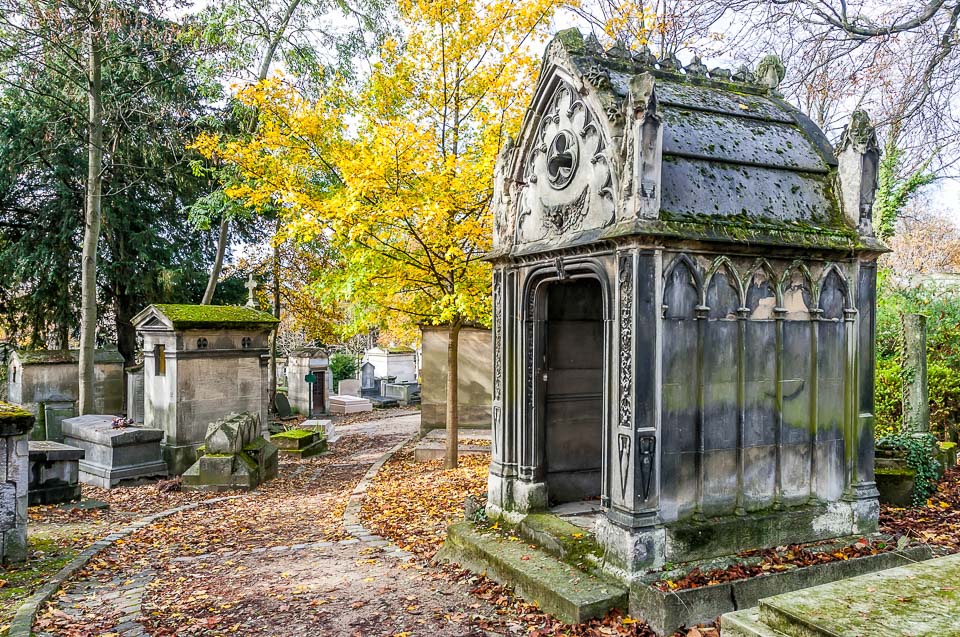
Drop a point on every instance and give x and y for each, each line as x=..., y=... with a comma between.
x=746, y=623
x=918, y=600
x=568, y=593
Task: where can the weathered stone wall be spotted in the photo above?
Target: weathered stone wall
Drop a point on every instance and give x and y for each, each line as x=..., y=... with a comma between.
x=60, y=382
x=476, y=379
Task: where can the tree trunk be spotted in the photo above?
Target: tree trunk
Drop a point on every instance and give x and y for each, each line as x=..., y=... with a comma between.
x=218, y=262
x=91, y=229
x=453, y=347
x=276, y=313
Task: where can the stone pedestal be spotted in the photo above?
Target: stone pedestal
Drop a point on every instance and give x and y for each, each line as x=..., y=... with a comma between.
x=15, y=426
x=113, y=455
x=54, y=472
x=299, y=443
x=916, y=402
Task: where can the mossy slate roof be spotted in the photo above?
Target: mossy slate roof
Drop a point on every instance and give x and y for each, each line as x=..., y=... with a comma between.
x=58, y=356
x=215, y=316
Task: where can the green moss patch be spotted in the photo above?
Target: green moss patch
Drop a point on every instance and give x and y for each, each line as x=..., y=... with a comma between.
x=21, y=581
x=215, y=316
x=62, y=356
x=15, y=420
x=295, y=434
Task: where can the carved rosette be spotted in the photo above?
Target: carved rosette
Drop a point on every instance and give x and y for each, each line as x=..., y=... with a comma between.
x=568, y=182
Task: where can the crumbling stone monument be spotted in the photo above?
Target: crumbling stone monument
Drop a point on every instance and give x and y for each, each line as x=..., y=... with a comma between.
x=916, y=398
x=684, y=296
x=234, y=456
x=15, y=426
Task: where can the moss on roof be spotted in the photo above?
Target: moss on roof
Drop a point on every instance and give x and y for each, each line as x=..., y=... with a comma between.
x=211, y=316
x=14, y=419
x=58, y=356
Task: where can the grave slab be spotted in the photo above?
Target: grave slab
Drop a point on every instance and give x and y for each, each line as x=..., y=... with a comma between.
x=916, y=599
x=54, y=472
x=349, y=405
x=114, y=456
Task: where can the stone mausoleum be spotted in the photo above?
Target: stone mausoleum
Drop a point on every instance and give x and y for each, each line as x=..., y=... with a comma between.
x=201, y=363
x=684, y=295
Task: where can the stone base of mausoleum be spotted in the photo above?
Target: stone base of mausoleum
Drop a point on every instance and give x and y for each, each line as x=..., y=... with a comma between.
x=570, y=573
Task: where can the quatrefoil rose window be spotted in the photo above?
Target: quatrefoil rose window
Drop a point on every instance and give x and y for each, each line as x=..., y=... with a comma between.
x=562, y=157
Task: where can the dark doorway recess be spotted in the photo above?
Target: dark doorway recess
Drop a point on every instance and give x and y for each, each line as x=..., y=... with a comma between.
x=573, y=396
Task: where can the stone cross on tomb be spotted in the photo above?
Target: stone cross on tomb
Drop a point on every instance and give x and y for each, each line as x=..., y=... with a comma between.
x=251, y=286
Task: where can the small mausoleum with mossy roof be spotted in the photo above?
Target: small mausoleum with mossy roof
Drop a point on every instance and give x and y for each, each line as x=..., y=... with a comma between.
x=201, y=363
x=683, y=310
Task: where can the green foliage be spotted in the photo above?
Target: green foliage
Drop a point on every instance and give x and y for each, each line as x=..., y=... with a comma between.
x=895, y=190
x=154, y=103
x=942, y=308
x=342, y=366
x=888, y=403
x=921, y=458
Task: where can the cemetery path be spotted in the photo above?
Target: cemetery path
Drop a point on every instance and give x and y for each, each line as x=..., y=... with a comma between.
x=276, y=561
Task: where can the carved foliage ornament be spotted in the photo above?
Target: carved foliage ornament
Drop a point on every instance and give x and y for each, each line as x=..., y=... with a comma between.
x=568, y=183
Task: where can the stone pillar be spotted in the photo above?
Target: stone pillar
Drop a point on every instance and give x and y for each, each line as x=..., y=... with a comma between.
x=866, y=504
x=15, y=426
x=916, y=403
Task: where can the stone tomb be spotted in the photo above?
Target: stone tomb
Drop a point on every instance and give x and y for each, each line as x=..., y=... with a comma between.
x=300, y=363
x=399, y=362
x=39, y=378
x=234, y=456
x=201, y=363
x=113, y=456
x=15, y=426
x=684, y=287
x=54, y=472
x=349, y=405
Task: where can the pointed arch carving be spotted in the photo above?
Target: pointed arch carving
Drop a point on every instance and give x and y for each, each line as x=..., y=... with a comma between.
x=680, y=303
x=761, y=290
x=797, y=292
x=732, y=279
x=833, y=293
x=566, y=176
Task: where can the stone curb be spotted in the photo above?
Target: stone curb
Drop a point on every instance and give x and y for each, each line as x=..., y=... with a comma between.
x=22, y=623
x=351, y=515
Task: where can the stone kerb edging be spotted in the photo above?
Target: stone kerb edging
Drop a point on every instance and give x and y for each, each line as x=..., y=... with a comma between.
x=22, y=623
x=351, y=515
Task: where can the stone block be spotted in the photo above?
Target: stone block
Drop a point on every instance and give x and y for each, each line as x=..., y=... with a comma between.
x=324, y=427
x=560, y=589
x=349, y=405
x=114, y=456
x=231, y=434
x=54, y=472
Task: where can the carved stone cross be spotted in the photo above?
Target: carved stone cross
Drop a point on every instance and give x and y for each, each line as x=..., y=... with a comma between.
x=251, y=286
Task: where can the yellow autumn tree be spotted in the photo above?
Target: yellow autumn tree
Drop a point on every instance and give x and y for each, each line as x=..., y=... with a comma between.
x=398, y=175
